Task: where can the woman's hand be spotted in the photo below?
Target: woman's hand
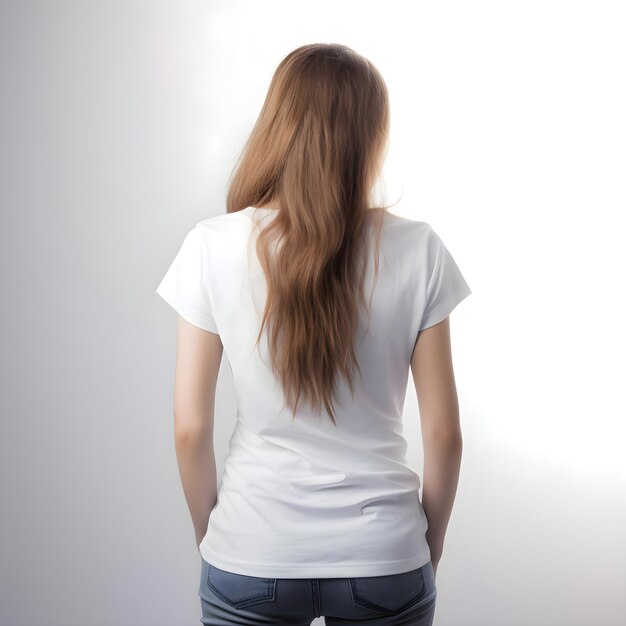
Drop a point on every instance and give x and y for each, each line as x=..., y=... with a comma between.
x=436, y=550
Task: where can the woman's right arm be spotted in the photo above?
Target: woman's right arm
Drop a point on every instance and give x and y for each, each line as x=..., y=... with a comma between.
x=433, y=375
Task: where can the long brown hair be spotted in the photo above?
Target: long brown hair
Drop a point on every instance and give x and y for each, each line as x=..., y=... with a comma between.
x=314, y=153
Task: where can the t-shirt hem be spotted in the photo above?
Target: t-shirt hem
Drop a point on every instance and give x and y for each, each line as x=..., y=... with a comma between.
x=186, y=312
x=445, y=308
x=324, y=570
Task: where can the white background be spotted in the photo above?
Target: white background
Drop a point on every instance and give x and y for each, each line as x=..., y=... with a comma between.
x=120, y=123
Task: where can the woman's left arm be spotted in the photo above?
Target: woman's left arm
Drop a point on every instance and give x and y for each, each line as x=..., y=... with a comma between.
x=198, y=358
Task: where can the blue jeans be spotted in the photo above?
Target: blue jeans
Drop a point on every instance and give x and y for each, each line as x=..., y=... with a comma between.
x=397, y=599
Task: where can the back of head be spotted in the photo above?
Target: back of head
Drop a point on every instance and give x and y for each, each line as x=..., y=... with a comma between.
x=314, y=154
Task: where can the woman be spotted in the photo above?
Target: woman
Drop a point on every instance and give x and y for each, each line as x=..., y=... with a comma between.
x=318, y=512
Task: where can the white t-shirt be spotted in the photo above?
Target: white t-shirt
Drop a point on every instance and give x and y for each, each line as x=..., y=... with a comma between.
x=303, y=498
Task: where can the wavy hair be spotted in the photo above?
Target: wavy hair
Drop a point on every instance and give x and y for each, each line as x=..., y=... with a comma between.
x=314, y=153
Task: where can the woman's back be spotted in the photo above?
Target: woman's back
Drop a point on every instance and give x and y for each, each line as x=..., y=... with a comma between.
x=302, y=497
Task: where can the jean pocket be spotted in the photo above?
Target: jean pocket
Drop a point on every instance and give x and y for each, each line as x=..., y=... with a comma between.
x=240, y=590
x=389, y=594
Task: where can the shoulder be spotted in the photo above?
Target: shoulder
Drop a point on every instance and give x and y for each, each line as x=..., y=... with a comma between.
x=223, y=220
x=222, y=226
x=223, y=237
x=400, y=229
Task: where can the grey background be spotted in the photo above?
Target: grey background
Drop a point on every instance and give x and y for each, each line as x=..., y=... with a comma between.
x=119, y=125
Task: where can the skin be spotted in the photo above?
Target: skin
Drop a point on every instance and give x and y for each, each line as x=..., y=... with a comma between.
x=198, y=357
x=433, y=375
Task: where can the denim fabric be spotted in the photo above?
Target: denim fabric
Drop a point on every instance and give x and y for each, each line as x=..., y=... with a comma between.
x=396, y=599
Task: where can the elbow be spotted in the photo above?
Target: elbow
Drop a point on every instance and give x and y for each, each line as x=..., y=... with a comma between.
x=190, y=429
x=448, y=437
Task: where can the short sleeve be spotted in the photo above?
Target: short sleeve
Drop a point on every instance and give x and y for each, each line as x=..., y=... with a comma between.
x=446, y=287
x=184, y=285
